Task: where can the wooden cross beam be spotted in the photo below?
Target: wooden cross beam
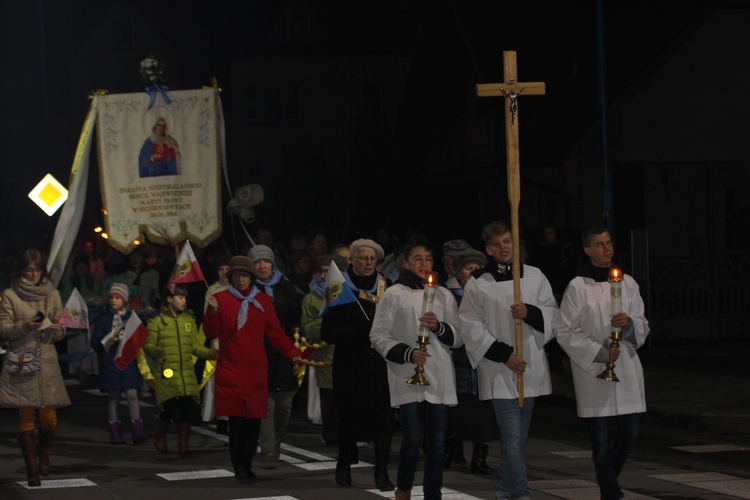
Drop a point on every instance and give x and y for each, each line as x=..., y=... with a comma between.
x=511, y=89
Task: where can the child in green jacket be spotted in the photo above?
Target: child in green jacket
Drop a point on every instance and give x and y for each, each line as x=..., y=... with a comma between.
x=172, y=343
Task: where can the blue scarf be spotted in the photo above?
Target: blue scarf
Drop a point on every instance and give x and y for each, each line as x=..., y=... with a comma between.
x=268, y=285
x=250, y=299
x=354, y=287
x=318, y=286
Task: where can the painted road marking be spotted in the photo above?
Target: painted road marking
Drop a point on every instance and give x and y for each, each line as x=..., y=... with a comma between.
x=196, y=474
x=58, y=483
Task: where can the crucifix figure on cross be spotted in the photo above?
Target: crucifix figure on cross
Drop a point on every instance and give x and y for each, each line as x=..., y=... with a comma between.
x=511, y=89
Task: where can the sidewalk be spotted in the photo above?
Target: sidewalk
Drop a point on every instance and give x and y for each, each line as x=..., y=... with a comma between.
x=698, y=386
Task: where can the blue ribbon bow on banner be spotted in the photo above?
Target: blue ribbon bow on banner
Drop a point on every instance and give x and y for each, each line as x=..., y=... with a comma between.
x=153, y=89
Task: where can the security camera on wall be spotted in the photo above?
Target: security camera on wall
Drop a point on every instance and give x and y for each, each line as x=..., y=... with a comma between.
x=245, y=199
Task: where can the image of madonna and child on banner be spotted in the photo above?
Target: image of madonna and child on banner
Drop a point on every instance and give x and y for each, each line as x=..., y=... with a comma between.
x=159, y=167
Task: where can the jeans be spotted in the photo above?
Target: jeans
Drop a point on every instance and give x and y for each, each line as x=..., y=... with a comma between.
x=420, y=420
x=611, y=440
x=513, y=423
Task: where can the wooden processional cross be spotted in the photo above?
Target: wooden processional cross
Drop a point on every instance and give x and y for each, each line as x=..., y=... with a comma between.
x=511, y=89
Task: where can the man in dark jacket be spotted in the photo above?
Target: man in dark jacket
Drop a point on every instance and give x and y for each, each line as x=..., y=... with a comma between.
x=282, y=381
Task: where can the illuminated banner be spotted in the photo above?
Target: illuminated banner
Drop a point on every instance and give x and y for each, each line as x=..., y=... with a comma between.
x=159, y=167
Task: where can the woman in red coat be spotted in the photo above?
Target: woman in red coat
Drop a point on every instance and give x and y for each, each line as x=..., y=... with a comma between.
x=240, y=317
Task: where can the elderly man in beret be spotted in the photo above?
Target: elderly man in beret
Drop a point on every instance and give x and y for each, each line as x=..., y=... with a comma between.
x=360, y=374
x=243, y=318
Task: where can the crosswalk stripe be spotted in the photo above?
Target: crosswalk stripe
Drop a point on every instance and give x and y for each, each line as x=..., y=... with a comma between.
x=305, y=453
x=196, y=474
x=418, y=492
x=710, y=448
x=331, y=465
x=58, y=483
x=283, y=497
x=711, y=481
x=209, y=433
x=572, y=454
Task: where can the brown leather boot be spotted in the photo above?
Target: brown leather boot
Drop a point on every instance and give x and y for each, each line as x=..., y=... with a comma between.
x=160, y=436
x=403, y=495
x=28, y=445
x=183, y=438
x=45, y=439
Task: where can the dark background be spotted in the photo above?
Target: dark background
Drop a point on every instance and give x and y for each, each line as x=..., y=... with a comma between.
x=453, y=45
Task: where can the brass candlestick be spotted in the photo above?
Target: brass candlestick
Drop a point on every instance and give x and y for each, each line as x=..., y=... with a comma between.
x=423, y=337
x=615, y=291
x=419, y=378
x=609, y=373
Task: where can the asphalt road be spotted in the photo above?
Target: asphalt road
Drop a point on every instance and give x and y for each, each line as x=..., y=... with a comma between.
x=86, y=466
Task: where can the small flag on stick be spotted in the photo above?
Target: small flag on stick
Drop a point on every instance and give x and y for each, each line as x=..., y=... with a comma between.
x=186, y=269
x=338, y=292
x=76, y=312
x=131, y=342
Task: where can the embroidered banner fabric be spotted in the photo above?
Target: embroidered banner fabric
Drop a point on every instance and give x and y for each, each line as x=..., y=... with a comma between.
x=160, y=168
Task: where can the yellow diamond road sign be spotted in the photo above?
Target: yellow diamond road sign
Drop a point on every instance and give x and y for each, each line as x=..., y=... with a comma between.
x=49, y=194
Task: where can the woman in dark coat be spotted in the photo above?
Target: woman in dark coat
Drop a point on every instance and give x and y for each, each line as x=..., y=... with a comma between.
x=360, y=374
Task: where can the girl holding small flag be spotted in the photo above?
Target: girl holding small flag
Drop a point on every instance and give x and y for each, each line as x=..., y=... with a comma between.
x=105, y=339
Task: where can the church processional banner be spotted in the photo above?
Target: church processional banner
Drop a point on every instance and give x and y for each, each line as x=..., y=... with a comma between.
x=159, y=167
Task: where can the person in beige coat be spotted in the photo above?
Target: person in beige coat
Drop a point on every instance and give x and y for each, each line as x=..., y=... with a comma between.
x=22, y=325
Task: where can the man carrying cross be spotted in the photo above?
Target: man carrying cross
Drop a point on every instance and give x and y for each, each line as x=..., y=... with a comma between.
x=493, y=304
x=487, y=314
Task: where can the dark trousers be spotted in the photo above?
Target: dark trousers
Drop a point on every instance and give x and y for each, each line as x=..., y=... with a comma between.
x=611, y=440
x=329, y=417
x=182, y=405
x=243, y=441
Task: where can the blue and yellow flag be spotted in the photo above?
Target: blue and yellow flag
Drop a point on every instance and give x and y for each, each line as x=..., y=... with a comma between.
x=337, y=292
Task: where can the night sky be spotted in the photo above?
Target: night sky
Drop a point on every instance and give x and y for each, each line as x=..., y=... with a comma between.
x=453, y=41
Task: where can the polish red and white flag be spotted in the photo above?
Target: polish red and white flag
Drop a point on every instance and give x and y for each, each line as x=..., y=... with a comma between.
x=131, y=342
x=186, y=269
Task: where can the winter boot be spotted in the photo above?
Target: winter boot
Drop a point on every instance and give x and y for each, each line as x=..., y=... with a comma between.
x=344, y=463
x=45, y=439
x=183, y=439
x=382, y=445
x=136, y=429
x=479, y=459
x=115, y=433
x=160, y=436
x=343, y=473
x=28, y=445
x=403, y=495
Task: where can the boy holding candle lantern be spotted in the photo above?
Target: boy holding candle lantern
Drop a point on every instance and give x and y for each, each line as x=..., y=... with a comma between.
x=589, y=314
x=488, y=315
x=412, y=310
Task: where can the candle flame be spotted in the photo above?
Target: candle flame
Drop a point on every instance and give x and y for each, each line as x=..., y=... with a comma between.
x=430, y=280
x=615, y=274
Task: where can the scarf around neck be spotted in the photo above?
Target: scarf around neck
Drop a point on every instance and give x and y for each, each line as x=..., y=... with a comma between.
x=367, y=284
x=318, y=286
x=268, y=285
x=249, y=299
x=29, y=292
x=117, y=320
